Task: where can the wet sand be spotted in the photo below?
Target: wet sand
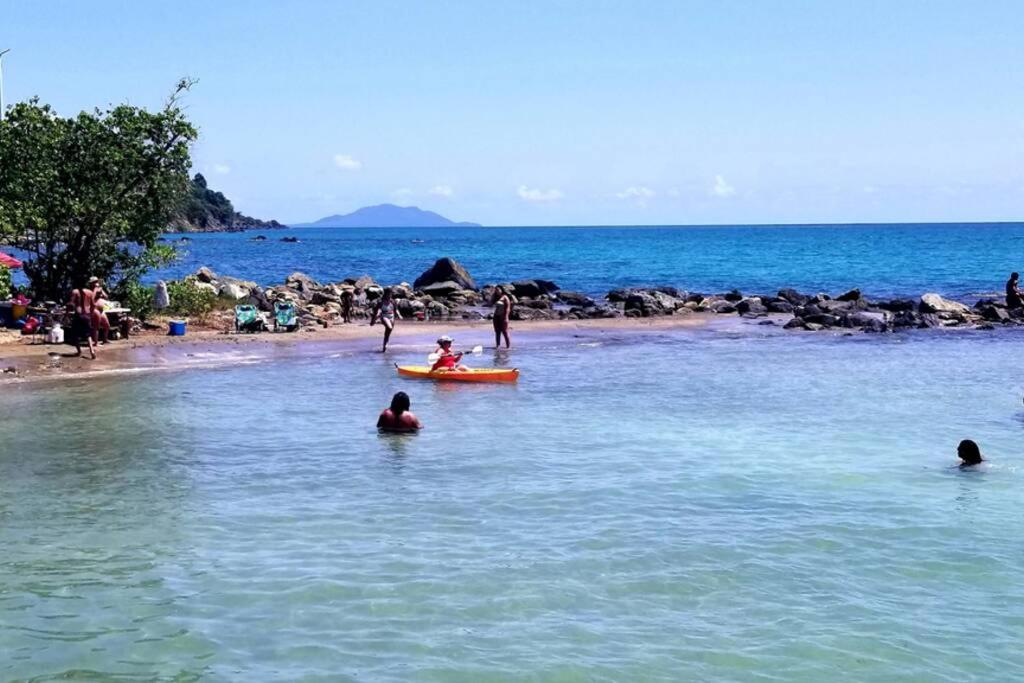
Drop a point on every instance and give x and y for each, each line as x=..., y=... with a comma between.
x=22, y=361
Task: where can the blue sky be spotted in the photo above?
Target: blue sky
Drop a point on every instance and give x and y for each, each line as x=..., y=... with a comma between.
x=552, y=113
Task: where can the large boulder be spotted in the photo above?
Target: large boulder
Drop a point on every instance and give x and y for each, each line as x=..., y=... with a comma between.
x=752, y=307
x=204, y=274
x=301, y=282
x=852, y=295
x=897, y=305
x=533, y=288
x=443, y=270
x=794, y=297
x=933, y=303
x=779, y=306
x=233, y=291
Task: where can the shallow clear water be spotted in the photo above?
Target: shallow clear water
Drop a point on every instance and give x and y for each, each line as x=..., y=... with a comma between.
x=684, y=506
x=883, y=260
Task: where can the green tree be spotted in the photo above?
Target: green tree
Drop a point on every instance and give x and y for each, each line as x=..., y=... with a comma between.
x=90, y=194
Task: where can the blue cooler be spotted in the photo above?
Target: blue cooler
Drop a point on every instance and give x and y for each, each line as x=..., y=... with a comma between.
x=176, y=328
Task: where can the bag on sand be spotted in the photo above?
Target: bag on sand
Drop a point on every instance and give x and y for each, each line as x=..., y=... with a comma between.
x=161, y=299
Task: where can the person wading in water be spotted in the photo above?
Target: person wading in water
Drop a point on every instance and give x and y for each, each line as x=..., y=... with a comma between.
x=502, y=310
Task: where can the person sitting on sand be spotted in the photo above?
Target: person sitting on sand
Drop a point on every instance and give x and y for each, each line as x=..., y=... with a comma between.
x=502, y=310
x=82, y=306
x=447, y=359
x=969, y=454
x=398, y=418
x=386, y=310
x=1013, y=294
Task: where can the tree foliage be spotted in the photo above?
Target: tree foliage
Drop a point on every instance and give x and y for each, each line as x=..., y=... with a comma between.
x=90, y=194
x=206, y=208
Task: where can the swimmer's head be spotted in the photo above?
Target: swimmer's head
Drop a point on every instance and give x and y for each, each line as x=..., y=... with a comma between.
x=399, y=403
x=969, y=452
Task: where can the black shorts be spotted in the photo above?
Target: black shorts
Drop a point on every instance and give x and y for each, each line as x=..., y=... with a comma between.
x=81, y=327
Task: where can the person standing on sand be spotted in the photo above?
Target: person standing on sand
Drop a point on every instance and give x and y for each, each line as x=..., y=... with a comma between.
x=387, y=312
x=347, y=295
x=100, y=322
x=1013, y=294
x=398, y=418
x=82, y=306
x=502, y=310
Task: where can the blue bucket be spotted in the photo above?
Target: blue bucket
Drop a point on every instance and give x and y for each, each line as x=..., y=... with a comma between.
x=176, y=328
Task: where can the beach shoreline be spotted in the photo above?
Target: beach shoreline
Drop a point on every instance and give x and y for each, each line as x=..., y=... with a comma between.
x=23, y=362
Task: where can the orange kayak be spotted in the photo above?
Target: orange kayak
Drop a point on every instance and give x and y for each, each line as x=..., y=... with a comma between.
x=472, y=375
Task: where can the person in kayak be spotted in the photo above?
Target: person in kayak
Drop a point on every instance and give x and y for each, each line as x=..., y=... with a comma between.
x=1013, y=295
x=387, y=312
x=502, y=310
x=398, y=418
x=447, y=359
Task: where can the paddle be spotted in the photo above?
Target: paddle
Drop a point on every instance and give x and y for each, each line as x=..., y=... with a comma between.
x=476, y=351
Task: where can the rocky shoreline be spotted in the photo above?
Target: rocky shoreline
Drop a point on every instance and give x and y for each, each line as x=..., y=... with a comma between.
x=446, y=291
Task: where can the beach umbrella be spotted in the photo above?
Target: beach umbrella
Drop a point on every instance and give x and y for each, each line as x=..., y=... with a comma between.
x=9, y=261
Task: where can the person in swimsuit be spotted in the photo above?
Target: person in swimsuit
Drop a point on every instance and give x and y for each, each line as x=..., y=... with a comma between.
x=1013, y=295
x=969, y=454
x=347, y=295
x=398, y=418
x=387, y=312
x=447, y=360
x=502, y=310
x=100, y=322
x=82, y=306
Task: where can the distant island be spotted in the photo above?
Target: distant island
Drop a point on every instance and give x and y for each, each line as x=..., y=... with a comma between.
x=386, y=216
x=205, y=210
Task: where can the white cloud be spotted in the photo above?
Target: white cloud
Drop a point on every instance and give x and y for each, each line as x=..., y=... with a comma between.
x=441, y=191
x=722, y=188
x=347, y=162
x=222, y=169
x=528, y=194
x=640, y=194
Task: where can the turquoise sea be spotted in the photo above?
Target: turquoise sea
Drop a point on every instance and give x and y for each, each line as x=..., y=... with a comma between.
x=718, y=504
x=732, y=503
x=959, y=260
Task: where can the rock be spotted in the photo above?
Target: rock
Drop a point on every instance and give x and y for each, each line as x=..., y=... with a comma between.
x=533, y=288
x=852, y=295
x=206, y=287
x=601, y=312
x=794, y=297
x=995, y=314
x=813, y=327
x=896, y=305
x=875, y=326
x=443, y=270
x=861, y=319
x=722, y=306
x=324, y=297
x=436, y=309
x=523, y=313
x=752, y=307
x=301, y=282
x=795, y=323
x=734, y=296
x=259, y=299
x=779, y=306
x=694, y=298
x=402, y=290
x=933, y=303
x=576, y=299
x=233, y=291
x=363, y=282
x=618, y=295
x=409, y=308
x=290, y=240
x=822, y=319
x=204, y=274
x=544, y=304
x=441, y=289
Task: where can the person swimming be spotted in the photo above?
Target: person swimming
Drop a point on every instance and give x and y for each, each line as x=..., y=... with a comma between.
x=446, y=359
x=398, y=418
x=969, y=454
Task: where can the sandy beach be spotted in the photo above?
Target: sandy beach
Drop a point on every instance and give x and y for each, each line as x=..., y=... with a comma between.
x=24, y=361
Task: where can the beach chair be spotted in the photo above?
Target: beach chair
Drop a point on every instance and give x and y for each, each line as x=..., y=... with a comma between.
x=247, y=319
x=285, y=317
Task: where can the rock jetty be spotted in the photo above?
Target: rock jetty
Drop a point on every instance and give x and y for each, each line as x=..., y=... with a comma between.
x=448, y=291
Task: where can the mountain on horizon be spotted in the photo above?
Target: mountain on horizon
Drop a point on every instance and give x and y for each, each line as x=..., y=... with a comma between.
x=386, y=216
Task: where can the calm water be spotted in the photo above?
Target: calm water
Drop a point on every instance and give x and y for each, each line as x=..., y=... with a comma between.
x=696, y=506
x=884, y=260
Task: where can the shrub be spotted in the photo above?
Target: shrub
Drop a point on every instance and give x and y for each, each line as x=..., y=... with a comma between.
x=189, y=299
x=139, y=298
x=5, y=283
